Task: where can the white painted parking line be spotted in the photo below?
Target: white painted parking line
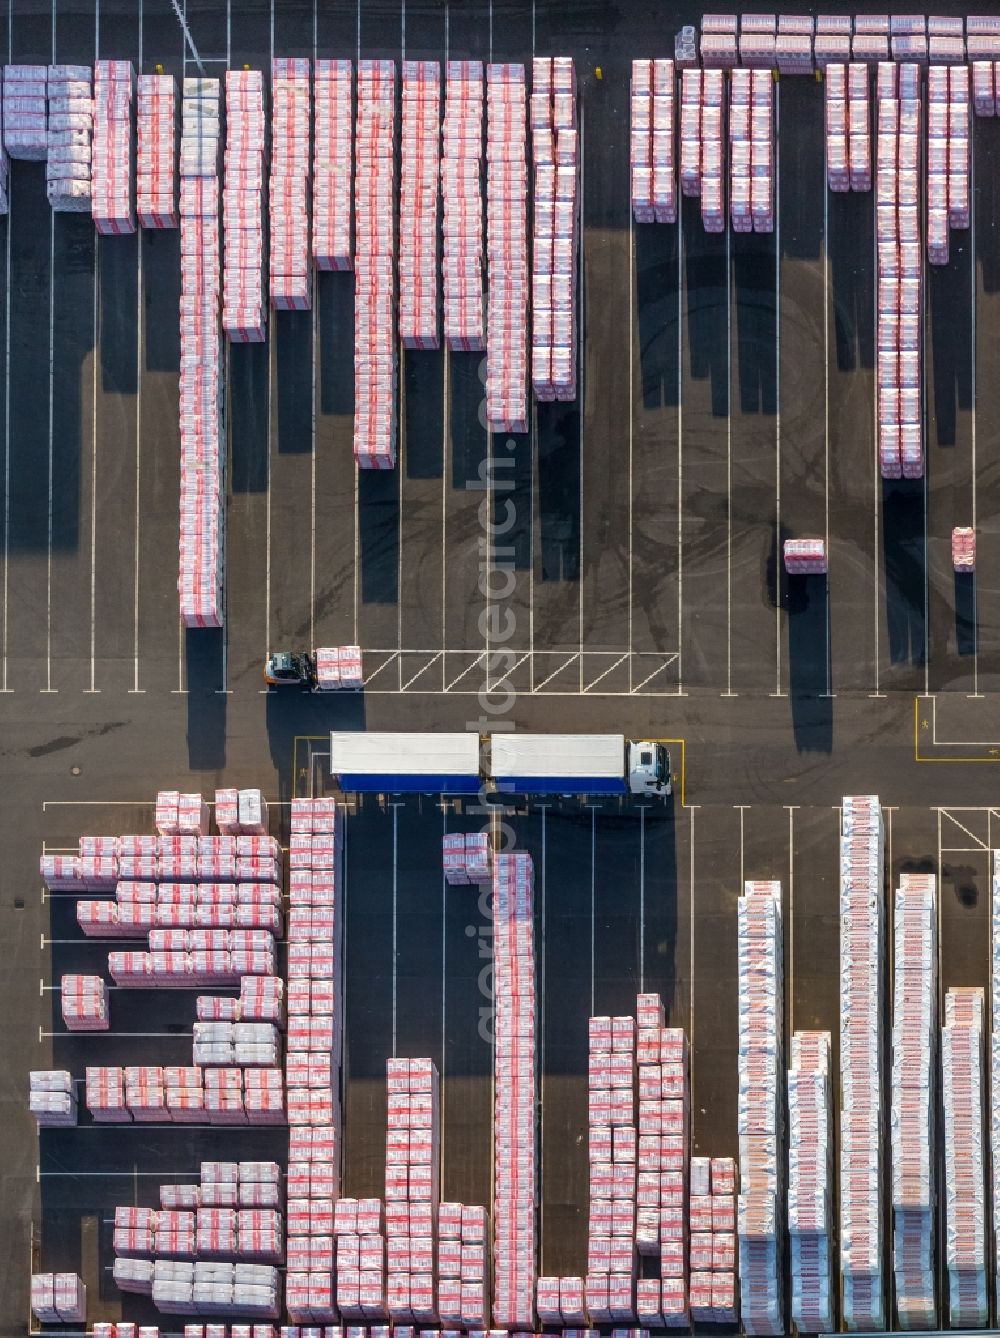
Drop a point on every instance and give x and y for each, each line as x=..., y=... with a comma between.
x=6, y=417
x=395, y=917
x=742, y=808
x=680, y=452
x=826, y=418
x=777, y=398
x=140, y=329
x=95, y=358
x=581, y=298
x=48, y=557
x=729, y=467
x=975, y=333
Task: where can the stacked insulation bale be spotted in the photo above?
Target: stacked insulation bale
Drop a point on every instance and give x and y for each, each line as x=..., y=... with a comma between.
x=946, y=39
x=713, y=1289
x=243, y=315
x=641, y=141
x=338, y=668
x=333, y=150
x=982, y=37
x=690, y=159
x=463, y=1266
x=740, y=150
x=25, y=113
x=664, y=133
x=848, y=128
x=374, y=263
x=870, y=42
x=862, y=969
x=963, y=549
x=913, y=1096
x=506, y=249
x=412, y=1188
x=947, y=157
x=52, y=1097
x=711, y=190
x=360, y=1250
x=461, y=159
x=810, y=1185
x=760, y=1118
x=838, y=162
x=313, y=1060
x=900, y=306
x=290, y=271
x=832, y=43
x=515, y=1177
x=112, y=203
x=156, y=151
x=241, y=812
x=805, y=557
x=964, y=1169
x=758, y=41
x=719, y=40
x=85, y=1003
x=58, y=1298
x=466, y=858
x=202, y=541
x=794, y=44
x=418, y=204
x=554, y=153
x=983, y=88
x=70, y=123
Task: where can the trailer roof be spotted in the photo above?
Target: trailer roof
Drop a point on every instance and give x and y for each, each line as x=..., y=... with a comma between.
x=403, y=754
x=569, y=755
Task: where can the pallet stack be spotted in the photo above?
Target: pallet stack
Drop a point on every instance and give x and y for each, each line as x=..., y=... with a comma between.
x=900, y=305
x=848, y=127
x=714, y=1295
x=963, y=549
x=418, y=204
x=313, y=1182
x=338, y=668
x=68, y=164
x=185, y=1287
x=832, y=43
x=58, y=1298
x=412, y=1188
x=291, y=111
x=965, y=1184
x=691, y=111
x=805, y=557
x=711, y=189
x=52, y=1098
x=243, y=314
x=913, y=1097
x=333, y=168
x=947, y=157
x=85, y=1003
x=506, y=249
x=25, y=113
x=810, y=1182
x=112, y=204
x=515, y=1061
x=760, y=1119
x=554, y=155
x=360, y=1251
x=984, y=88
x=862, y=969
x=718, y=41
x=463, y=1266
x=461, y=158
x=374, y=264
x=156, y=151
x=467, y=858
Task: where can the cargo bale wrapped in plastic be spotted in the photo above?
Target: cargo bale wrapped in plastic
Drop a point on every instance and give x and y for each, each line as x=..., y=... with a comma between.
x=58, y=1298
x=805, y=557
x=963, y=549
x=411, y=1188
x=288, y=193
x=418, y=204
x=641, y=141
x=810, y=1192
x=507, y=249
x=112, y=202
x=52, y=1098
x=964, y=1144
x=85, y=1003
x=70, y=124
x=25, y=113
x=554, y=149
x=333, y=150
x=156, y=151
x=690, y=131
x=243, y=311
x=711, y=189
x=462, y=253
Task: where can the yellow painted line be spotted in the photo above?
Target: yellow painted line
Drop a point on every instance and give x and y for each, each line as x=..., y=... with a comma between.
x=301, y=738
x=919, y=725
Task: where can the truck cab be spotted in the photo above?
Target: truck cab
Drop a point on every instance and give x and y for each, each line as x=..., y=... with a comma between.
x=649, y=768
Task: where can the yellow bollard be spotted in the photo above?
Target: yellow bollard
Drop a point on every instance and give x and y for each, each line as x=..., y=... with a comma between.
x=599, y=72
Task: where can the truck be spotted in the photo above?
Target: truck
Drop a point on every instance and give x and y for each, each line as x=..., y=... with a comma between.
x=451, y=763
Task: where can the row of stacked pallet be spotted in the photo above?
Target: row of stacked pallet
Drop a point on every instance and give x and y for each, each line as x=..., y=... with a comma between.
x=463, y=1266
x=848, y=128
x=418, y=204
x=156, y=151
x=862, y=971
x=613, y=1147
x=243, y=315
x=360, y=1251
x=412, y=1188
x=290, y=273
x=508, y=271
x=760, y=1121
x=223, y=1094
x=555, y=159
x=374, y=264
x=462, y=228
x=984, y=87
x=947, y=157
x=652, y=164
x=25, y=115
x=68, y=164
x=313, y=1058
x=810, y=1183
x=751, y=147
x=712, y=156
x=52, y=1098
x=691, y=132
x=899, y=273
x=964, y=1158
x=333, y=151
x=111, y=180
x=913, y=1097
x=797, y=43
x=515, y=1060
x=202, y=521
x=713, y=1293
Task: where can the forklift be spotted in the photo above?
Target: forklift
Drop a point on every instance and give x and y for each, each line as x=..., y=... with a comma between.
x=287, y=668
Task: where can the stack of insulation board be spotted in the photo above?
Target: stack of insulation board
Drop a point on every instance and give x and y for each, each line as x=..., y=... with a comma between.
x=183, y=1287
x=360, y=1248
x=418, y=204
x=854, y=81
x=871, y=38
x=185, y=1095
x=111, y=183
x=463, y=1260
x=963, y=549
x=250, y=1044
x=810, y=1184
x=243, y=316
x=85, y=1003
x=71, y=120
x=375, y=285
x=983, y=88
x=652, y=161
x=412, y=1188
x=965, y=1185
x=793, y=49
x=713, y=1291
x=900, y=307
x=515, y=1176
x=506, y=249
x=947, y=157
x=554, y=154
x=126, y=1329
x=58, y=1298
x=313, y=1057
x=805, y=557
x=832, y=43
x=718, y=43
x=740, y=150
x=762, y=164
x=181, y=814
x=210, y=957
x=105, y=1094
x=758, y=41
x=240, y=812
x=913, y=1097
x=467, y=858
x=461, y=156
x=946, y=39
x=156, y=151
x=25, y=112
x=862, y=850
x=838, y=161
x=982, y=37
x=52, y=1097
x=690, y=156
x=338, y=668
x=290, y=271
x=141, y=906
x=333, y=148
x=712, y=157
x=202, y=439
x=759, y=1120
